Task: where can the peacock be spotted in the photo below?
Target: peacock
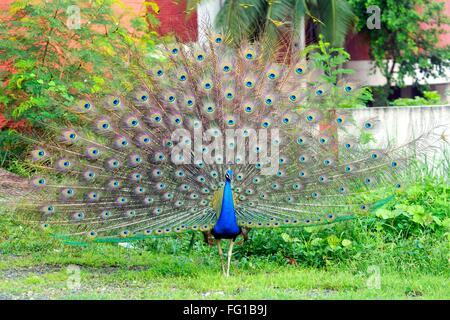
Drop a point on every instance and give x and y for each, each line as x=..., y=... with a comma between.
x=213, y=138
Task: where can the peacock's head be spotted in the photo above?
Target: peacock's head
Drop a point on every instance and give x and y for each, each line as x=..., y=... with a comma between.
x=229, y=175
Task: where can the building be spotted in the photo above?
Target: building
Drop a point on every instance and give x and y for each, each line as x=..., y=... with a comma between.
x=188, y=27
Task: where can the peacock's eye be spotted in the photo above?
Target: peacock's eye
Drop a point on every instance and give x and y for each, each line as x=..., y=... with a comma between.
x=183, y=77
x=115, y=102
x=174, y=50
x=299, y=70
x=218, y=40
x=348, y=88
x=249, y=56
x=226, y=68
x=144, y=98
x=87, y=105
x=160, y=72
x=200, y=57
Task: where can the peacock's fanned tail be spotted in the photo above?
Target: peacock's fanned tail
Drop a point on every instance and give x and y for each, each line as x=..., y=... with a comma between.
x=133, y=164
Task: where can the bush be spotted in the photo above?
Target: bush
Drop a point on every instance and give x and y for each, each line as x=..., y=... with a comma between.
x=51, y=62
x=429, y=98
x=411, y=231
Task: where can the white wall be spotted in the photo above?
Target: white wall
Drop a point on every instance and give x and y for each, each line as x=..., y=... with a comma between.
x=207, y=11
x=401, y=124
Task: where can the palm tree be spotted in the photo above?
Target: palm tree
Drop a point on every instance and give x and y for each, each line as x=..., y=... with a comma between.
x=275, y=18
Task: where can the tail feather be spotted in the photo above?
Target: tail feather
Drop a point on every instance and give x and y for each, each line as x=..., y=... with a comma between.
x=131, y=163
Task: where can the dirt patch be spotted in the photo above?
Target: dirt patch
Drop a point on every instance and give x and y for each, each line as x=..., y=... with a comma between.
x=15, y=273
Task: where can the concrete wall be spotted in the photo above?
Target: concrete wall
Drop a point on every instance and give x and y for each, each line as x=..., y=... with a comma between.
x=399, y=125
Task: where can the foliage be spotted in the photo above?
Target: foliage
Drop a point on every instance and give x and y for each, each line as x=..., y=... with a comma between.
x=410, y=235
x=429, y=98
x=407, y=41
x=329, y=61
x=252, y=18
x=407, y=241
x=417, y=219
x=52, y=60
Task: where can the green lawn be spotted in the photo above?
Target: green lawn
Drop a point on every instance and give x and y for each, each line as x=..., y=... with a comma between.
x=109, y=272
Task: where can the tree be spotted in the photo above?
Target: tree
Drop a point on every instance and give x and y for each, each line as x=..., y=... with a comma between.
x=243, y=19
x=407, y=41
x=54, y=51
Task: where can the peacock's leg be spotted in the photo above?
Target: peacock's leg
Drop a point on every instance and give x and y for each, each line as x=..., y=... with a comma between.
x=230, y=252
x=220, y=254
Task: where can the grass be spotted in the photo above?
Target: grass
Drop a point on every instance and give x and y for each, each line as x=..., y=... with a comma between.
x=404, y=248
x=40, y=267
x=107, y=272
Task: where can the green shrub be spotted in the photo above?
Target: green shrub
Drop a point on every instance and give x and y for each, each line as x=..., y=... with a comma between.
x=50, y=63
x=429, y=98
x=411, y=231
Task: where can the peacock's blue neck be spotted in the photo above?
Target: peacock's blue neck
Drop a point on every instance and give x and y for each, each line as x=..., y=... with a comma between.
x=226, y=226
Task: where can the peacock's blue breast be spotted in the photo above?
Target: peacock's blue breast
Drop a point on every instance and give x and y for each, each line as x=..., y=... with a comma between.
x=226, y=226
